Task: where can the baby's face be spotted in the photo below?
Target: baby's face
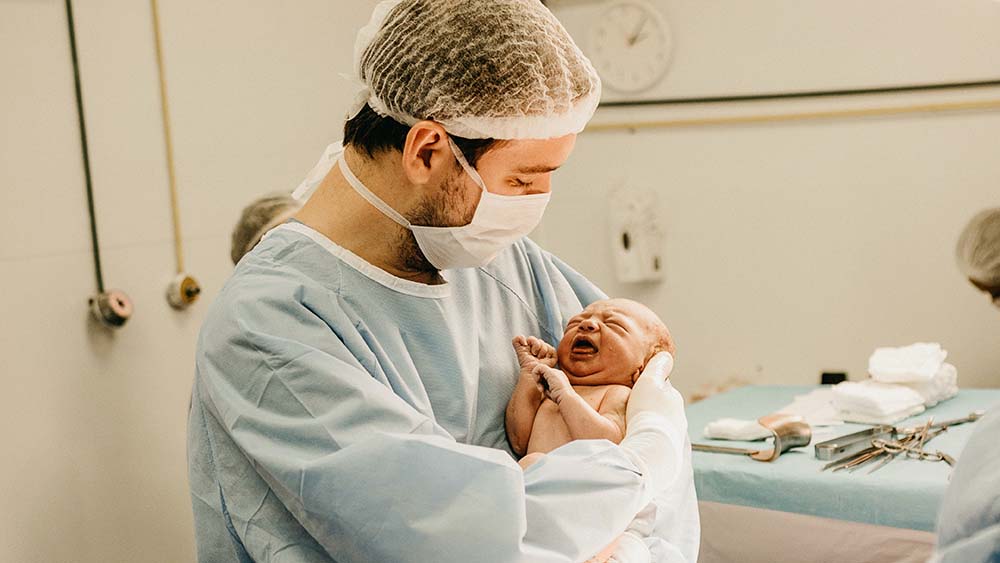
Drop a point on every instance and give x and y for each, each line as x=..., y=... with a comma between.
x=608, y=343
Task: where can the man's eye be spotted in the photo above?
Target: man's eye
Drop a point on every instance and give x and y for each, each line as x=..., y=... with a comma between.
x=522, y=183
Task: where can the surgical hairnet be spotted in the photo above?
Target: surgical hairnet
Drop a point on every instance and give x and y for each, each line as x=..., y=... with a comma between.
x=483, y=69
x=257, y=218
x=978, y=248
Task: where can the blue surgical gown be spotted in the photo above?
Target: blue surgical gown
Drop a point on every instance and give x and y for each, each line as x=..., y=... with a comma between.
x=969, y=521
x=343, y=414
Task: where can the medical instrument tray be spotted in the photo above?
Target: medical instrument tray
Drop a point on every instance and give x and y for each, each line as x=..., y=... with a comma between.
x=851, y=444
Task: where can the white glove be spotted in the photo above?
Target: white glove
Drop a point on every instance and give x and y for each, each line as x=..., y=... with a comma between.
x=655, y=426
x=631, y=547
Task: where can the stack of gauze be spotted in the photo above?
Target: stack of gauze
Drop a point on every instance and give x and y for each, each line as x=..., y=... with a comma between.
x=920, y=367
x=871, y=402
x=903, y=382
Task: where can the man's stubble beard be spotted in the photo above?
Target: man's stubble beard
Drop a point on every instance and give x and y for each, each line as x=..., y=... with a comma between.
x=436, y=211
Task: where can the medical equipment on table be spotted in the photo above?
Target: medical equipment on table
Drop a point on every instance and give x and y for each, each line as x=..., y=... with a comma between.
x=888, y=448
x=851, y=444
x=971, y=417
x=788, y=432
x=910, y=442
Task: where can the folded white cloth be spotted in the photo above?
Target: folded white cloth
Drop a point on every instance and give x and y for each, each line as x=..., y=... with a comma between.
x=941, y=387
x=875, y=400
x=891, y=418
x=815, y=407
x=736, y=429
x=913, y=363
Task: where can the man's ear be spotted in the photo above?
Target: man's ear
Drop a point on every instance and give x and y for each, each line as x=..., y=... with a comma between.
x=426, y=153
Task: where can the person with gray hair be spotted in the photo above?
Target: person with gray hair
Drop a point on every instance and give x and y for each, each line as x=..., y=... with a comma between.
x=968, y=529
x=978, y=252
x=259, y=217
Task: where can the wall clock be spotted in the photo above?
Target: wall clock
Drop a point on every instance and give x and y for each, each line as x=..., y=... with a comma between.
x=629, y=42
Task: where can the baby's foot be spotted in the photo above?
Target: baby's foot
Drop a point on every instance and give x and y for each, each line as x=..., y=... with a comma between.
x=532, y=351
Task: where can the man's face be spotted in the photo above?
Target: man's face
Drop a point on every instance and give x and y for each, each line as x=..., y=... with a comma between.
x=607, y=343
x=519, y=167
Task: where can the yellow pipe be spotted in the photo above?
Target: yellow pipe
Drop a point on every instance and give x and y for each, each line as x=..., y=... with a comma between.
x=175, y=211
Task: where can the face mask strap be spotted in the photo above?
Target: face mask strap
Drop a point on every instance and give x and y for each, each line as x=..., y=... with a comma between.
x=472, y=172
x=373, y=199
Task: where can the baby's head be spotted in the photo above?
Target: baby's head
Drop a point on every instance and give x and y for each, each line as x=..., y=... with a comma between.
x=610, y=343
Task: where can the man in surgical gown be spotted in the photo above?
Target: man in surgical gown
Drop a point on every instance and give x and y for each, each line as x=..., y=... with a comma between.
x=352, y=375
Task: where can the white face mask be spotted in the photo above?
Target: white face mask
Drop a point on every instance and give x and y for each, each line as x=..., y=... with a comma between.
x=499, y=222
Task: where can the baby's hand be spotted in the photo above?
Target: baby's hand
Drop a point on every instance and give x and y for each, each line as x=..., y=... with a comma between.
x=532, y=351
x=554, y=382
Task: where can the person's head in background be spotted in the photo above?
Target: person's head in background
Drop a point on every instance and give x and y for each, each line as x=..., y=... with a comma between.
x=262, y=215
x=978, y=252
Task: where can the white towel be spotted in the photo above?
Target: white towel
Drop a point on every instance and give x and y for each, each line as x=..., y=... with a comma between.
x=872, y=399
x=891, y=418
x=816, y=408
x=943, y=386
x=913, y=363
x=736, y=429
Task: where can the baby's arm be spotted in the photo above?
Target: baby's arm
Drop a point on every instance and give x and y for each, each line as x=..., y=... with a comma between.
x=521, y=411
x=528, y=393
x=583, y=421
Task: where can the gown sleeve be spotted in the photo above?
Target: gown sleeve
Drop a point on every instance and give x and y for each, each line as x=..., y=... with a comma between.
x=969, y=521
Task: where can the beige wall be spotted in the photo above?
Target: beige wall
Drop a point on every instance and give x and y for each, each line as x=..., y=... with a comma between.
x=94, y=468
x=793, y=248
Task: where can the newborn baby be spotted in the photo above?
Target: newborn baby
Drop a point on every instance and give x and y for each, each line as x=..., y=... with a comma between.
x=601, y=354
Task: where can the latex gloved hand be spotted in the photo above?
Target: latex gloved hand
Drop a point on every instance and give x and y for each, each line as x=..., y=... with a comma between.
x=655, y=426
x=631, y=547
x=553, y=382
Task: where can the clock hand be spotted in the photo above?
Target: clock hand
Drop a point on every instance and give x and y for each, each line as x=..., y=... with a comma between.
x=634, y=36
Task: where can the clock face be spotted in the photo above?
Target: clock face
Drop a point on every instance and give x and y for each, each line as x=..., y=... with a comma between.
x=630, y=46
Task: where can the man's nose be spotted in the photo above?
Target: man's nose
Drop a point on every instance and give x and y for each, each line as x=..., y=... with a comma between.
x=588, y=325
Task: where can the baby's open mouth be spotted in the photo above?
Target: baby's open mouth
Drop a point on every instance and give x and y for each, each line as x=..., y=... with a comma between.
x=583, y=345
